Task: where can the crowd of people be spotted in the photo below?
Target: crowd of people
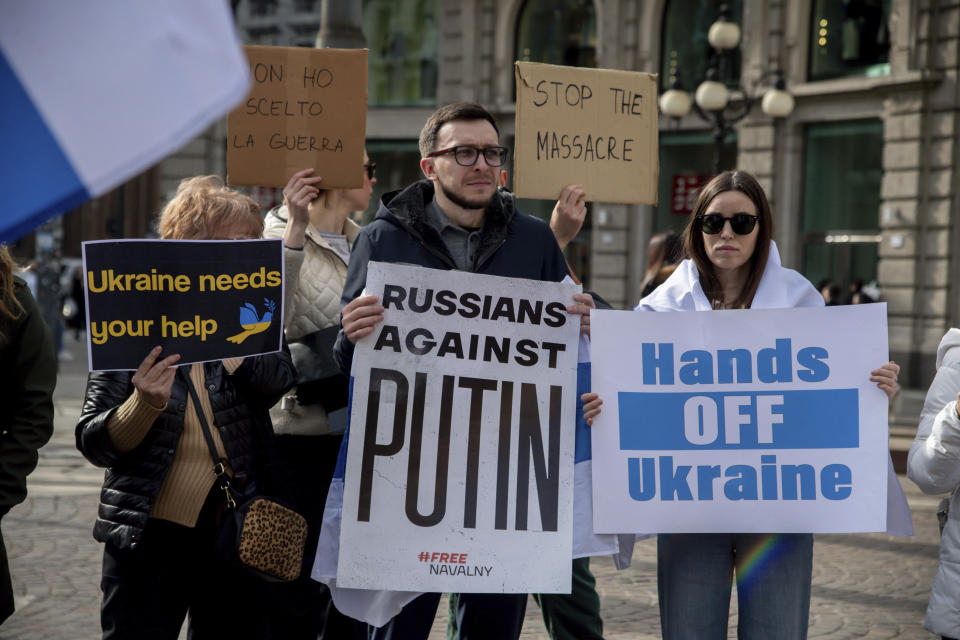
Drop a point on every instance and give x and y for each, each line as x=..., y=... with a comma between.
x=160, y=501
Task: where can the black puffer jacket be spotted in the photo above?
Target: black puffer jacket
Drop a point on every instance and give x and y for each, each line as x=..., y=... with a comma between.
x=240, y=402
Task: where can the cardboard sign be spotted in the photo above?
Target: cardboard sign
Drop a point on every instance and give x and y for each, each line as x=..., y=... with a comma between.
x=206, y=300
x=307, y=108
x=595, y=127
x=740, y=421
x=459, y=473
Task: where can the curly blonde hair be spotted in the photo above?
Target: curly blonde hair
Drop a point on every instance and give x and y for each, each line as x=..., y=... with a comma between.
x=204, y=209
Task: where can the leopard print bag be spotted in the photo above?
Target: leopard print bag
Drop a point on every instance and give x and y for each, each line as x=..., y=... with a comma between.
x=270, y=538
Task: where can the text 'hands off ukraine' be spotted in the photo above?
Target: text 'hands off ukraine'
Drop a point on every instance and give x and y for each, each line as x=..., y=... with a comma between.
x=460, y=462
x=740, y=421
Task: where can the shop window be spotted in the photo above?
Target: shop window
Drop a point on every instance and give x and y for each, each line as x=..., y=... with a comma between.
x=841, y=200
x=557, y=32
x=402, y=63
x=686, y=53
x=686, y=164
x=849, y=38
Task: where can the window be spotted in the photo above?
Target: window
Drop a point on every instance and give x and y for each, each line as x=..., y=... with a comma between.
x=686, y=164
x=263, y=35
x=841, y=200
x=557, y=33
x=263, y=7
x=565, y=33
x=305, y=35
x=686, y=53
x=402, y=35
x=849, y=38
x=304, y=6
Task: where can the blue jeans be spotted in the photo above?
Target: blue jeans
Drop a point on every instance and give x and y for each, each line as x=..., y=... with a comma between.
x=773, y=572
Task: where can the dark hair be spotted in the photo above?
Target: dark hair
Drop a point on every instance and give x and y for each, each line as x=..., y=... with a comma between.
x=448, y=113
x=693, y=238
x=664, y=249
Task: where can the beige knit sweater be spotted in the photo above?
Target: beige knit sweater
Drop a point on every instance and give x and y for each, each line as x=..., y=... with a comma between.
x=191, y=476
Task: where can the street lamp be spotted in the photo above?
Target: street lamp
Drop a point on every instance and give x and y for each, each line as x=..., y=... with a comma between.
x=712, y=98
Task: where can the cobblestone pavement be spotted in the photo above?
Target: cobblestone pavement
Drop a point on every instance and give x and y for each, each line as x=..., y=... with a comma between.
x=864, y=585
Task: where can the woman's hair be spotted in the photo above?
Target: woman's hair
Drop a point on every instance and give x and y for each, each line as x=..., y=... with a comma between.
x=10, y=307
x=203, y=208
x=664, y=249
x=693, y=238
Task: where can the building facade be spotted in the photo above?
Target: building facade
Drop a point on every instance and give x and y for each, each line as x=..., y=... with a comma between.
x=863, y=174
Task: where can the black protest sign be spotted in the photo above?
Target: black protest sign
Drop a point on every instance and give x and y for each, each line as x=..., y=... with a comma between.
x=205, y=300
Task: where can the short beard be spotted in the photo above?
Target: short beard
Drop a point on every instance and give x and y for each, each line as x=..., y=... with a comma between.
x=463, y=202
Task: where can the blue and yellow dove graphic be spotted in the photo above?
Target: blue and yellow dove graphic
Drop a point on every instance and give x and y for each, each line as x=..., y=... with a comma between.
x=251, y=321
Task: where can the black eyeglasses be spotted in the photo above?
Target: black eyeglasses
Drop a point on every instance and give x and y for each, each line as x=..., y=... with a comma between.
x=370, y=169
x=741, y=223
x=466, y=155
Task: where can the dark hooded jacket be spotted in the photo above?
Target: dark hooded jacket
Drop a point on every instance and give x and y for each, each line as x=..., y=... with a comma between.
x=512, y=244
x=132, y=481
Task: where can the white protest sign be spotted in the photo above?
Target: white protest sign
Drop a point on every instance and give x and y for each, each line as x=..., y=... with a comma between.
x=459, y=471
x=740, y=421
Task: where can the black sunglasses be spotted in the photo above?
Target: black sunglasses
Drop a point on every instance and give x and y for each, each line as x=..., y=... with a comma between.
x=741, y=223
x=370, y=169
x=466, y=155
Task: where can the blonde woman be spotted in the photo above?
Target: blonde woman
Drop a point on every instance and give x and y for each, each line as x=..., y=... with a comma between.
x=159, y=506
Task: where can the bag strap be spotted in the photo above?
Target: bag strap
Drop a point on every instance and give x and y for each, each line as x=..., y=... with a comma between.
x=219, y=462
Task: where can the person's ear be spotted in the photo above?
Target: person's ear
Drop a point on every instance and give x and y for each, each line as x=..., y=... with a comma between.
x=428, y=168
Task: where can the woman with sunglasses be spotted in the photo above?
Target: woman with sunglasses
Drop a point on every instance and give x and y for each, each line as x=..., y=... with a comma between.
x=734, y=264
x=318, y=235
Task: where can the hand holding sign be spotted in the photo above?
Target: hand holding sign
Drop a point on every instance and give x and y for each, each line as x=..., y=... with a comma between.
x=568, y=214
x=886, y=378
x=300, y=191
x=591, y=406
x=582, y=304
x=360, y=317
x=153, y=379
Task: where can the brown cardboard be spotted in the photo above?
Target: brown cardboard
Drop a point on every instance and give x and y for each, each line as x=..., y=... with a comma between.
x=306, y=108
x=560, y=109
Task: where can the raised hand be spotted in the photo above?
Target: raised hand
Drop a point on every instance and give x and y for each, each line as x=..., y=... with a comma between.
x=154, y=379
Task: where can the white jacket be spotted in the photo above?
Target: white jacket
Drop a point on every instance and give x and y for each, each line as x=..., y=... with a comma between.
x=779, y=288
x=313, y=282
x=934, y=464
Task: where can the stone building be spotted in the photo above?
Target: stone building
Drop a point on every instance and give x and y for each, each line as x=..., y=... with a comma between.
x=862, y=174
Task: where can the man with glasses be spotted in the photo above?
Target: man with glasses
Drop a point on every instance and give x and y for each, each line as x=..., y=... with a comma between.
x=454, y=219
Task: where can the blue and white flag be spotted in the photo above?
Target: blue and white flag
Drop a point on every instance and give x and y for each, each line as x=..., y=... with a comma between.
x=96, y=92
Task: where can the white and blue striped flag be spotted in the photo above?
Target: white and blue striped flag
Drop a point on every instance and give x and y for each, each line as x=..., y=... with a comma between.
x=96, y=92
